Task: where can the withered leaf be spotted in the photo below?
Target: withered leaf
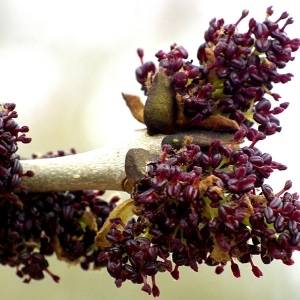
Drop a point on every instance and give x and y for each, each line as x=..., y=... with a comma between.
x=135, y=106
x=181, y=118
x=122, y=211
x=219, y=122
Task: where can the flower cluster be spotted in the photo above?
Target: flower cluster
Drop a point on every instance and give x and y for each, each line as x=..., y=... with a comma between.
x=61, y=223
x=33, y=226
x=212, y=206
x=195, y=207
x=235, y=75
x=10, y=168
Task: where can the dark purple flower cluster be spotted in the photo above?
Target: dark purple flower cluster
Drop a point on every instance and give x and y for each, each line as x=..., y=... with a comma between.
x=39, y=225
x=10, y=168
x=246, y=64
x=133, y=257
x=60, y=223
x=236, y=72
x=145, y=71
x=211, y=207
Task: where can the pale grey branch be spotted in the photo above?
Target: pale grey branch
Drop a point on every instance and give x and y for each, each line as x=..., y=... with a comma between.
x=102, y=168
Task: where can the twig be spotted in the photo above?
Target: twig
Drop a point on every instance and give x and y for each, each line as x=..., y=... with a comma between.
x=102, y=168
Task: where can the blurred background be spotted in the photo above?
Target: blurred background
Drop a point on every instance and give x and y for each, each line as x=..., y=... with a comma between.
x=65, y=63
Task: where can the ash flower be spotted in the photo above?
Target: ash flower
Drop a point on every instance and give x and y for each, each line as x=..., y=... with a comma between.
x=38, y=225
x=195, y=207
x=10, y=168
x=234, y=78
x=210, y=206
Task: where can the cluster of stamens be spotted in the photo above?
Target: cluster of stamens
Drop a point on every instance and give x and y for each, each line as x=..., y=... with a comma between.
x=34, y=226
x=194, y=206
x=212, y=206
x=10, y=168
x=209, y=207
x=235, y=75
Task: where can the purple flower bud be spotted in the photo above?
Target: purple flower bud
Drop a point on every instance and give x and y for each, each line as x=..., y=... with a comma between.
x=279, y=223
x=270, y=11
x=296, y=240
x=180, y=79
x=176, y=64
x=293, y=227
x=264, y=105
x=262, y=45
x=219, y=269
x=256, y=271
x=269, y=214
x=201, y=54
x=296, y=215
x=183, y=52
x=235, y=270
x=140, y=52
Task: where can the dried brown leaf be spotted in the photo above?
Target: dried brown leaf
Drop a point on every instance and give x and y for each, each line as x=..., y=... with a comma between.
x=123, y=211
x=217, y=254
x=210, y=61
x=219, y=122
x=89, y=219
x=206, y=183
x=181, y=118
x=135, y=106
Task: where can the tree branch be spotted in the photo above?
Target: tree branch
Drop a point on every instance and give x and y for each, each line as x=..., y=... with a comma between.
x=107, y=168
x=101, y=168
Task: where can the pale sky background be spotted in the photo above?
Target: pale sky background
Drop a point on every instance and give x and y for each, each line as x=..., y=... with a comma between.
x=65, y=63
